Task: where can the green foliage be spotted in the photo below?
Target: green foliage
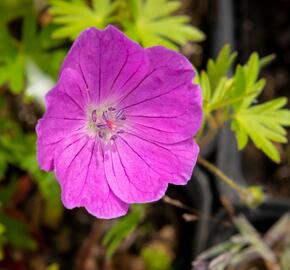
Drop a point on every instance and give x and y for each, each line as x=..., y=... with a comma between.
x=149, y=22
x=17, y=234
x=53, y=266
x=218, y=69
x=11, y=9
x=14, y=146
x=235, y=97
x=123, y=228
x=2, y=240
x=75, y=16
x=156, y=258
x=35, y=45
x=263, y=123
x=11, y=62
x=152, y=23
x=214, y=82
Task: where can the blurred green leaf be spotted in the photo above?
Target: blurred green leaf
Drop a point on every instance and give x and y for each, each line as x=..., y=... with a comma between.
x=152, y=23
x=35, y=45
x=156, y=258
x=11, y=9
x=75, y=16
x=17, y=233
x=123, y=228
x=266, y=60
x=11, y=62
x=53, y=266
x=3, y=240
x=16, y=145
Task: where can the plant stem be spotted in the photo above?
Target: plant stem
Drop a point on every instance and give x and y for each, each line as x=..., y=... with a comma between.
x=215, y=170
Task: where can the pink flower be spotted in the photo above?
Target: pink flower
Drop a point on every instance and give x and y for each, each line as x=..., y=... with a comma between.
x=119, y=124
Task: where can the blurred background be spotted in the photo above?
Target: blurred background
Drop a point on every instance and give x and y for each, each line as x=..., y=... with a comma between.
x=37, y=233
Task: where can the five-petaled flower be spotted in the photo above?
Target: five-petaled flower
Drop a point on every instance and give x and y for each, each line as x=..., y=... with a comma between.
x=119, y=124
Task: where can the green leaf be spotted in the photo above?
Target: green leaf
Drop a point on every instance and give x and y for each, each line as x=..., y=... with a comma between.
x=156, y=258
x=266, y=60
x=152, y=23
x=218, y=69
x=11, y=62
x=205, y=86
x=123, y=228
x=29, y=32
x=264, y=125
x=220, y=91
x=13, y=9
x=75, y=16
x=17, y=233
x=16, y=144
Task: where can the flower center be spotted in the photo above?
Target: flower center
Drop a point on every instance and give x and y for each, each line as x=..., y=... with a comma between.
x=106, y=124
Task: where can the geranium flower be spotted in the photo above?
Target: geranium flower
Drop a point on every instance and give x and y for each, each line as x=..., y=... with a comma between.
x=119, y=124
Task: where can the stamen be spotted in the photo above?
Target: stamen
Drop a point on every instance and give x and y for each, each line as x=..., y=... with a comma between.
x=101, y=125
x=107, y=125
x=119, y=114
x=101, y=134
x=94, y=116
x=105, y=115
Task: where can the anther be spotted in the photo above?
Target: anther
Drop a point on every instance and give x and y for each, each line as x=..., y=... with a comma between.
x=94, y=116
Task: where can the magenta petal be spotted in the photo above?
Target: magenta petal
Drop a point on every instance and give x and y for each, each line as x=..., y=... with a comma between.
x=80, y=171
x=45, y=155
x=130, y=178
x=170, y=118
x=139, y=170
x=65, y=115
x=109, y=62
x=65, y=109
x=166, y=106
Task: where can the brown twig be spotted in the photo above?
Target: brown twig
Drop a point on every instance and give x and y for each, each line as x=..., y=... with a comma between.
x=85, y=251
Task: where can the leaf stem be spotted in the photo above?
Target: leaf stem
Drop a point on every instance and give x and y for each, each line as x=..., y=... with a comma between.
x=215, y=170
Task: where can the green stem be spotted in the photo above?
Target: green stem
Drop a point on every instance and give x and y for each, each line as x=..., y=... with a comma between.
x=215, y=170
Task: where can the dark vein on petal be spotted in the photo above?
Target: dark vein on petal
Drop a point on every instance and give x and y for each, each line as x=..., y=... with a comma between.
x=125, y=171
x=149, y=116
x=64, y=118
x=119, y=73
x=113, y=169
x=81, y=92
x=141, y=157
x=88, y=168
x=155, y=142
x=66, y=171
x=78, y=105
x=152, y=98
x=131, y=91
x=131, y=76
x=83, y=76
x=85, y=81
x=70, y=135
x=153, y=128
